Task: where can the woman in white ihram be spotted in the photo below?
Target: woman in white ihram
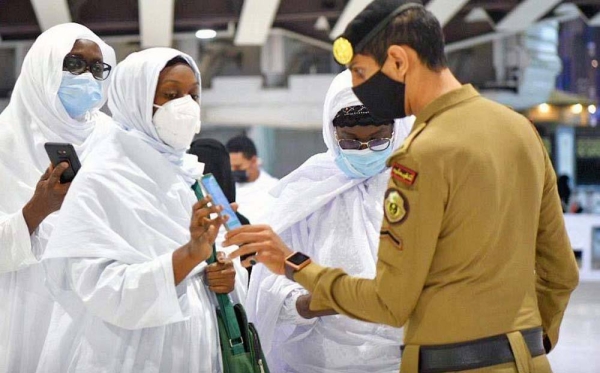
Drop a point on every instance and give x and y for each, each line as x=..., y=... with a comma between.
x=63, y=83
x=127, y=259
x=330, y=208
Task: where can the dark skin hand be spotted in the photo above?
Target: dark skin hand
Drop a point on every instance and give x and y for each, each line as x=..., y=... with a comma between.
x=203, y=233
x=48, y=197
x=303, y=308
x=49, y=193
x=220, y=276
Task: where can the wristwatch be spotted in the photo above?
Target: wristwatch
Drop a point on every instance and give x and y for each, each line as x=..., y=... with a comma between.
x=294, y=263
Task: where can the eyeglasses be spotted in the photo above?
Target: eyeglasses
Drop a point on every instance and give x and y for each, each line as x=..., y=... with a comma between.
x=376, y=145
x=77, y=65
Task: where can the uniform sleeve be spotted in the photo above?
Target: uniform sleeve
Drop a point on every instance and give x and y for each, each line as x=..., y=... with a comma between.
x=130, y=296
x=15, y=247
x=556, y=268
x=411, y=226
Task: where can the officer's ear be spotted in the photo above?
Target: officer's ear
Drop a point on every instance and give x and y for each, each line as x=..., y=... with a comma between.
x=397, y=63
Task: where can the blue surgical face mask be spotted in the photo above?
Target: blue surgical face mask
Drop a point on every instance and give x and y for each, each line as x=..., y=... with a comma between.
x=361, y=164
x=79, y=93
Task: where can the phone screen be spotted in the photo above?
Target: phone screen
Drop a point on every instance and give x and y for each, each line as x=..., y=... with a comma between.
x=214, y=190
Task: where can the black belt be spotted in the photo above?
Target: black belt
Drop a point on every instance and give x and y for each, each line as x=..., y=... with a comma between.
x=481, y=353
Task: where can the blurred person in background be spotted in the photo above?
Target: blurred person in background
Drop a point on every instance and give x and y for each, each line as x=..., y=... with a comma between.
x=252, y=182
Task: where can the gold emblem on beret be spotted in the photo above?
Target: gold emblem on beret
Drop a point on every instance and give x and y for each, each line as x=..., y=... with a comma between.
x=342, y=51
x=395, y=206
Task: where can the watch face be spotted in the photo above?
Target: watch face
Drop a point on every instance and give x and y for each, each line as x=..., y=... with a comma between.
x=298, y=258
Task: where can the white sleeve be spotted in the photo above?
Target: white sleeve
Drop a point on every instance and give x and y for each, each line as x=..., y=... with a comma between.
x=15, y=243
x=130, y=296
x=289, y=312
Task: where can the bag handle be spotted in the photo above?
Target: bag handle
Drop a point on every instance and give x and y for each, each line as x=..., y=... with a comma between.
x=225, y=306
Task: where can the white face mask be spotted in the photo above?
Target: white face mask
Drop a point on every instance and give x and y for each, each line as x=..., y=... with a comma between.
x=177, y=122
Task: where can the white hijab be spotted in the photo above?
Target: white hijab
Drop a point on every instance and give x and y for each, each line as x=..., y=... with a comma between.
x=343, y=217
x=131, y=103
x=35, y=115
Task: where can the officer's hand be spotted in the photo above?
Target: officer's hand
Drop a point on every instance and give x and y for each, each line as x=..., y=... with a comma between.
x=220, y=276
x=203, y=229
x=263, y=243
x=48, y=196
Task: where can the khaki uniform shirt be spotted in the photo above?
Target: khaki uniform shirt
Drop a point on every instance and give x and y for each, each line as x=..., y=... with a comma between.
x=473, y=243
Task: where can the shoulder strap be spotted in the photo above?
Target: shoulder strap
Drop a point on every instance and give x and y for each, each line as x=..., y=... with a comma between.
x=225, y=307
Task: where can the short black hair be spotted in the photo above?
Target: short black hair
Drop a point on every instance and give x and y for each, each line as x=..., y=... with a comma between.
x=241, y=144
x=417, y=28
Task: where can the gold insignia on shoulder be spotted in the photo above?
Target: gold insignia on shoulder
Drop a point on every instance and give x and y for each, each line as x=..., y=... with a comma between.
x=342, y=51
x=395, y=206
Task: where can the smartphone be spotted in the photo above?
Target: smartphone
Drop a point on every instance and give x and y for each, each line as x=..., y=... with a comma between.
x=62, y=152
x=212, y=188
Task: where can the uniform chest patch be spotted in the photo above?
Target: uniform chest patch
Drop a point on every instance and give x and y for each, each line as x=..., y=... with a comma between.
x=395, y=206
x=404, y=174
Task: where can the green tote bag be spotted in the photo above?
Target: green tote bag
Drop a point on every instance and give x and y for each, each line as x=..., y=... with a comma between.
x=240, y=345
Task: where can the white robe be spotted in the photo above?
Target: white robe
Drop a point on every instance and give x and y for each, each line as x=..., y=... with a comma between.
x=109, y=260
x=253, y=198
x=33, y=117
x=336, y=221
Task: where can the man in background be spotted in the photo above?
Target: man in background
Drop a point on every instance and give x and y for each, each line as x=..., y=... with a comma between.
x=252, y=183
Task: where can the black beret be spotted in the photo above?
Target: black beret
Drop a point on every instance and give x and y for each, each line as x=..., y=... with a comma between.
x=367, y=24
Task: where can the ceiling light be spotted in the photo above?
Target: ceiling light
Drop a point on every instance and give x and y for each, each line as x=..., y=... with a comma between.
x=206, y=34
x=544, y=108
x=592, y=109
x=576, y=109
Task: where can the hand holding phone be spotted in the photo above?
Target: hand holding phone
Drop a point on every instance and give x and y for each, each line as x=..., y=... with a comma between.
x=211, y=186
x=63, y=152
x=48, y=197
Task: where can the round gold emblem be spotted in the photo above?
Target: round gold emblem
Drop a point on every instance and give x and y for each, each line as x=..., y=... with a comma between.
x=342, y=51
x=396, y=207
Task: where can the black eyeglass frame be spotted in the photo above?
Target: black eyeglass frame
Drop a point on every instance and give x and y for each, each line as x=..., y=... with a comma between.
x=87, y=67
x=369, y=143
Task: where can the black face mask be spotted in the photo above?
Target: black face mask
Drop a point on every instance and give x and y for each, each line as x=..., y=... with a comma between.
x=240, y=176
x=383, y=96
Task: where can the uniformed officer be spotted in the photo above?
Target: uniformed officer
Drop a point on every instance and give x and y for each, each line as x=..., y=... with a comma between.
x=473, y=257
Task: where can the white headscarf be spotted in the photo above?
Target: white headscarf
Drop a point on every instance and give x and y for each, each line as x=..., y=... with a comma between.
x=336, y=220
x=35, y=114
x=131, y=102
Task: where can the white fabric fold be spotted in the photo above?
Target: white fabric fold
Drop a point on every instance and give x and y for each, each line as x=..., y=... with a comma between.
x=17, y=254
x=33, y=117
x=336, y=220
x=109, y=260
